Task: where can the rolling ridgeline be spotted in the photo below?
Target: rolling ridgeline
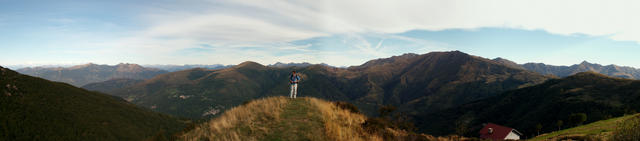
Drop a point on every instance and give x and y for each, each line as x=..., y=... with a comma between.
x=413, y=83
x=441, y=93
x=91, y=73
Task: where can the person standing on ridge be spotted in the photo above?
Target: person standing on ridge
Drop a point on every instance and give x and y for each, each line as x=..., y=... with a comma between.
x=293, y=81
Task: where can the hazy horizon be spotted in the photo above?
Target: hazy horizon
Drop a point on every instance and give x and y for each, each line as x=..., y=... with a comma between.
x=19, y=66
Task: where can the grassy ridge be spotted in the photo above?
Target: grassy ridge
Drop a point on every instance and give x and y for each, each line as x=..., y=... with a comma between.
x=600, y=129
x=297, y=123
x=279, y=118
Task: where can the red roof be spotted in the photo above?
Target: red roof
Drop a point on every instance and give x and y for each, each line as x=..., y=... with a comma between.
x=499, y=132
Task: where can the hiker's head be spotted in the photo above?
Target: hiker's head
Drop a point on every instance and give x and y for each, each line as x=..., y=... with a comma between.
x=293, y=72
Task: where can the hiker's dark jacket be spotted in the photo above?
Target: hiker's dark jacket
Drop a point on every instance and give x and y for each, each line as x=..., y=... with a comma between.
x=294, y=79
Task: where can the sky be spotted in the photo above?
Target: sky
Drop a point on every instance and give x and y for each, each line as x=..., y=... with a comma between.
x=335, y=32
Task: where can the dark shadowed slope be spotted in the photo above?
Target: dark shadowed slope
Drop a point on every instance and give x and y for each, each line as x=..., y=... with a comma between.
x=91, y=73
x=596, y=95
x=37, y=109
x=438, y=80
x=112, y=85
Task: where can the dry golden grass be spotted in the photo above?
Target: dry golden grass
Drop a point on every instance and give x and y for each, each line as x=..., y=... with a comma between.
x=257, y=119
x=280, y=118
x=340, y=124
x=225, y=127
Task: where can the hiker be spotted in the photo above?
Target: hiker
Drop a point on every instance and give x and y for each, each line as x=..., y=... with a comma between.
x=293, y=81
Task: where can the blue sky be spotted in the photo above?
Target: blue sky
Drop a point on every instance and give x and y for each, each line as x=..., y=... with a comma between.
x=340, y=33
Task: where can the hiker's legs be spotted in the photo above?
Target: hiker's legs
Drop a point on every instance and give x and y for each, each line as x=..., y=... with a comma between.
x=291, y=92
x=295, y=90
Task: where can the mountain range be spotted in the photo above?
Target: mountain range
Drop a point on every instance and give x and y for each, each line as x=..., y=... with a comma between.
x=564, y=71
x=90, y=73
x=81, y=77
x=37, y=109
x=414, y=83
x=438, y=91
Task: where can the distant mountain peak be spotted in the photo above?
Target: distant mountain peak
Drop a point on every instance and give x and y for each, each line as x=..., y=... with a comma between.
x=585, y=62
x=409, y=54
x=454, y=54
x=119, y=64
x=83, y=66
x=391, y=59
x=457, y=52
x=248, y=64
x=130, y=67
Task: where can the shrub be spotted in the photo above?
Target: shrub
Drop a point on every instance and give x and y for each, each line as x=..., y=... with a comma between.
x=376, y=125
x=578, y=118
x=347, y=106
x=386, y=110
x=392, y=126
x=629, y=130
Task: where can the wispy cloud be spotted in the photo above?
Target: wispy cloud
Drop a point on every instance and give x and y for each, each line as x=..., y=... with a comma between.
x=174, y=32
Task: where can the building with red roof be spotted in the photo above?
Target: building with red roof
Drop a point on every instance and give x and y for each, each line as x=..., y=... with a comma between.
x=497, y=132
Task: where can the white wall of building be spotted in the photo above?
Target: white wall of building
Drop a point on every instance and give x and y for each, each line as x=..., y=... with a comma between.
x=512, y=136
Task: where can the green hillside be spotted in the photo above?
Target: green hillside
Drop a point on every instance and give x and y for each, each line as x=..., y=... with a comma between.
x=597, y=96
x=37, y=109
x=600, y=129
